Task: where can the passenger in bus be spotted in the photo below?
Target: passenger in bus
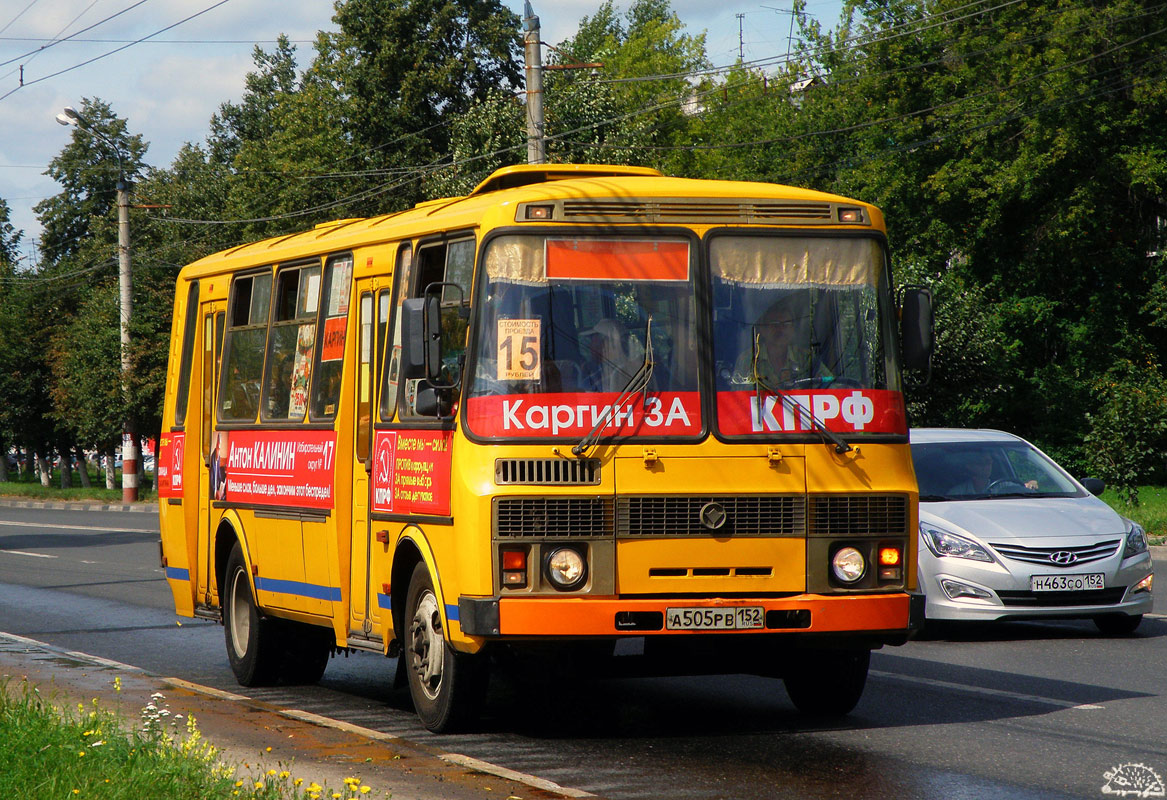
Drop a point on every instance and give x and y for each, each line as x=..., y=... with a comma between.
x=609, y=363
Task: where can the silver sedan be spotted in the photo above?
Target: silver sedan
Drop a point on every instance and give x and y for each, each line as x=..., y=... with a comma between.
x=1007, y=533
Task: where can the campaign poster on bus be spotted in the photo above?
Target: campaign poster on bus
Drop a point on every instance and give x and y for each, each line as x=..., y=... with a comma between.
x=839, y=410
x=411, y=472
x=275, y=468
x=171, y=451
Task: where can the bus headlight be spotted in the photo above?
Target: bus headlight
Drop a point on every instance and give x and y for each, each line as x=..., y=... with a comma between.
x=566, y=568
x=848, y=564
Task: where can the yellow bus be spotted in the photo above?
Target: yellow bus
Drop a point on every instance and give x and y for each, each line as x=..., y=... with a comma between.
x=580, y=405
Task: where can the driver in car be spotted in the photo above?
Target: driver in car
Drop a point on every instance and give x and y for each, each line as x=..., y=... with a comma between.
x=980, y=476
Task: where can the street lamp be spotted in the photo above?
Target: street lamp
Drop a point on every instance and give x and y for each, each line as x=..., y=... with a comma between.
x=129, y=447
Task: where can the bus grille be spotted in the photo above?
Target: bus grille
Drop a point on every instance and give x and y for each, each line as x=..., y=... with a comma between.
x=736, y=212
x=859, y=515
x=546, y=472
x=553, y=516
x=766, y=515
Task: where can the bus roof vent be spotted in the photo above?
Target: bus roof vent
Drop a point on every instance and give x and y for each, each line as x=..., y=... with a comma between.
x=527, y=174
x=546, y=472
x=725, y=212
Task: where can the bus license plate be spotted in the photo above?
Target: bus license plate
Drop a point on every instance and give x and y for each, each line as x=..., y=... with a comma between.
x=1067, y=583
x=715, y=619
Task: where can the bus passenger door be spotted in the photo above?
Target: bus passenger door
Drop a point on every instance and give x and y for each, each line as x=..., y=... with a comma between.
x=211, y=319
x=373, y=310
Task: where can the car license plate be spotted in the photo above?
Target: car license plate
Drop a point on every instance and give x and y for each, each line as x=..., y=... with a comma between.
x=1067, y=583
x=715, y=619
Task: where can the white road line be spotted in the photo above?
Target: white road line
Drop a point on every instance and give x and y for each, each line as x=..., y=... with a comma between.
x=74, y=527
x=1155, y=616
x=1001, y=693
x=22, y=553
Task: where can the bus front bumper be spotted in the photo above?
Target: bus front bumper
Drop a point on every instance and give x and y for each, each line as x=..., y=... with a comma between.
x=894, y=615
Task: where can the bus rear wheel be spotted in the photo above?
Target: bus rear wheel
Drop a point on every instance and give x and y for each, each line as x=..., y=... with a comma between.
x=252, y=641
x=827, y=682
x=447, y=687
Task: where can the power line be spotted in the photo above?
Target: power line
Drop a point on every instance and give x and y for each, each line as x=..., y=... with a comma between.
x=115, y=50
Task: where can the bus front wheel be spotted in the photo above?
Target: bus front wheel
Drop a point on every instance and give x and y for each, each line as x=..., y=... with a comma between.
x=827, y=682
x=251, y=639
x=447, y=687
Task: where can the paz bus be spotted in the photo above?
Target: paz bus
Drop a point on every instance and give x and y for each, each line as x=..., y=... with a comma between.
x=581, y=404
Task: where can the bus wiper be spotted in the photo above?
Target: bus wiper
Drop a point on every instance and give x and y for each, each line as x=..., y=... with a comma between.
x=638, y=383
x=816, y=424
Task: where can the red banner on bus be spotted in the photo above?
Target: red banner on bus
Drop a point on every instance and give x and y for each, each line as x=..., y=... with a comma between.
x=411, y=472
x=839, y=410
x=574, y=415
x=274, y=468
x=168, y=464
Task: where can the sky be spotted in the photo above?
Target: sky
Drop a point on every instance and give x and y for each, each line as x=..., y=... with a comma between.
x=165, y=66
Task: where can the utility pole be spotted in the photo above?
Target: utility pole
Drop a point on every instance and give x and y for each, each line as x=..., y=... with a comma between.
x=741, y=45
x=125, y=283
x=533, y=58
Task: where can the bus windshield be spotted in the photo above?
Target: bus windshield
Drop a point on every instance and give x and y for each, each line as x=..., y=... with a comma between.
x=569, y=326
x=804, y=317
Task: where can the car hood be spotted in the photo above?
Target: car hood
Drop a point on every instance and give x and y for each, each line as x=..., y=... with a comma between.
x=1036, y=518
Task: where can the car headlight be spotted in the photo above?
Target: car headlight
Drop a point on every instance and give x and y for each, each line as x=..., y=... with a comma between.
x=945, y=543
x=1136, y=540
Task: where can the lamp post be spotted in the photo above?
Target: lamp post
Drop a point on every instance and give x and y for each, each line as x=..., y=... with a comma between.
x=129, y=445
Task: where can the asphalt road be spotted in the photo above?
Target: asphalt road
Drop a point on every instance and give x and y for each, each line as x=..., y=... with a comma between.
x=1033, y=710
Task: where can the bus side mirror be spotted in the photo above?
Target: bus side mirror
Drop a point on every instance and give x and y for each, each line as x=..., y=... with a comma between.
x=916, y=327
x=421, y=354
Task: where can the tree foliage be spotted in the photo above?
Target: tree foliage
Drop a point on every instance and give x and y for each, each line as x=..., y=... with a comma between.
x=1018, y=152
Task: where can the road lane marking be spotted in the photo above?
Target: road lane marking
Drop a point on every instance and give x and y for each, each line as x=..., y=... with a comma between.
x=984, y=690
x=76, y=527
x=23, y=553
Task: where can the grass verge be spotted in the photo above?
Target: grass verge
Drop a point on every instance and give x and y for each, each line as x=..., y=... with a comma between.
x=89, y=752
x=32, y=489
x=1151, y=511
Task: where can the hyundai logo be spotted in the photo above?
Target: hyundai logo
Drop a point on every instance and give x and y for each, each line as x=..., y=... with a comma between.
x=713, y=516
x=1063, y=558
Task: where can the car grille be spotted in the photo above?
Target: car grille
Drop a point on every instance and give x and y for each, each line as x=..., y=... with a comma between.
x=1092, y=597
x=1061, y=557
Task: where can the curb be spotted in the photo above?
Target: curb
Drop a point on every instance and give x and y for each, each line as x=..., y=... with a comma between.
x=79, y=505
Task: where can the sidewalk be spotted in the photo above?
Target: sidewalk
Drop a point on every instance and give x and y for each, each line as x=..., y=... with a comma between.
x=259, y=737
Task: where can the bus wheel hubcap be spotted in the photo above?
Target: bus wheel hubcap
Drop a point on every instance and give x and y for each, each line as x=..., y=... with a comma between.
x=426, y=646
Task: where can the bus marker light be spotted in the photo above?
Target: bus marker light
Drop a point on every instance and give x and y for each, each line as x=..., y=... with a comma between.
x=540, y=212
x=889, y=556
x=514, y=568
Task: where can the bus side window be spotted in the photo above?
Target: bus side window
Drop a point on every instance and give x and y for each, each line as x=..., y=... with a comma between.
x=338, y=275
x=189, y=328
x=391, y=357
x=291, y=344
x=247, y=333
x=365, y=376
x=452, y=263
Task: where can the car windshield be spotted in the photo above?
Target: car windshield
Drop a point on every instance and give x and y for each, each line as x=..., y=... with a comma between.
x=987, y=470
x=577, y=330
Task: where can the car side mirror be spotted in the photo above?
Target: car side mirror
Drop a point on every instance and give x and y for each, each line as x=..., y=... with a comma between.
x=1096, y=486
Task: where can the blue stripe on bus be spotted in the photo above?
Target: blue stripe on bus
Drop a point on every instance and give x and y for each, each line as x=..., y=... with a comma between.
x=178, y=573
x=384, y=601
x=452, y=612
x=299, y=589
